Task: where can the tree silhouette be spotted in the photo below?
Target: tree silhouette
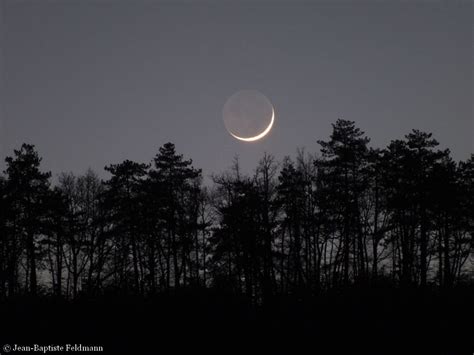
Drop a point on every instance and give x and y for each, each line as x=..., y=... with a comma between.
x=27, y=190
x=352, y=215
x=344, y=161
x=291, y=196
x=172, y=181
x=123, y=201
x=350, y=242
x=408, y=177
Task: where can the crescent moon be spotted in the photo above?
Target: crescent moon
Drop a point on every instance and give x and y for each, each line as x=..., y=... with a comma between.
x=261, y=135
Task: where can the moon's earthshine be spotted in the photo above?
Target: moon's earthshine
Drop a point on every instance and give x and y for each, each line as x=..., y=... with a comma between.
x=248, y=115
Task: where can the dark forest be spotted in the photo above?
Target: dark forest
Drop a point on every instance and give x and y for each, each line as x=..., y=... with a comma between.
x=352, y=249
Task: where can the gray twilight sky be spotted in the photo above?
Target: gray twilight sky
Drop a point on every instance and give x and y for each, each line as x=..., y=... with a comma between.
x=96, y=82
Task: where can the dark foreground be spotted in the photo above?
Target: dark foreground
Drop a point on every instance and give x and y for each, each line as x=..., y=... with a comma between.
x=375, y=321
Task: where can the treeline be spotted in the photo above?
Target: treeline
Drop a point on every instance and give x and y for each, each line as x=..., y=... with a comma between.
x=401, y=216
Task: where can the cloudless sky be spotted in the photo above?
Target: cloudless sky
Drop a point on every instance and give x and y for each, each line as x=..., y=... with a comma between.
x=95, y=82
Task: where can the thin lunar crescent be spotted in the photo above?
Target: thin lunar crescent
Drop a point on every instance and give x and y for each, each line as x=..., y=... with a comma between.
x=261, y=135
